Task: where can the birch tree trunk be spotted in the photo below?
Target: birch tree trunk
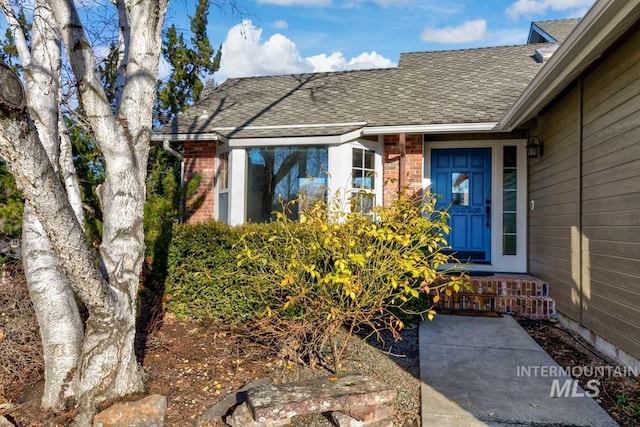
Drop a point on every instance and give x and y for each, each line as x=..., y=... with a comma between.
x=56, y=310
x=105, y=366
x=53, y=300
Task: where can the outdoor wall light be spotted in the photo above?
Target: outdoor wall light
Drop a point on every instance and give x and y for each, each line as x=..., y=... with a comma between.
x=534, y=147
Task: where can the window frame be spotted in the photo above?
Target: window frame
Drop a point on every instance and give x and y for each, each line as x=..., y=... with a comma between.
x=362, y=191
x=223, y=150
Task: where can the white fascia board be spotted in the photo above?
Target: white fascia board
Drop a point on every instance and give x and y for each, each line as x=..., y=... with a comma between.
x=217, y=131
x=437, y=128
x=294, y=140
x=605, y=22
x=182, y=137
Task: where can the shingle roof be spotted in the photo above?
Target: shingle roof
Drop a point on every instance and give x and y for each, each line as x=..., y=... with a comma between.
x=558, y=29
x=459, y=86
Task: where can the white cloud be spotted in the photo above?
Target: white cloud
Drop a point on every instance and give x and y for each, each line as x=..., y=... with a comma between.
x=337, y=62
x=466, y=32
x=370, y=60
x=281, y=24
x=530, y=8
x=296, y=2
x=244, y=54
x=323, y=62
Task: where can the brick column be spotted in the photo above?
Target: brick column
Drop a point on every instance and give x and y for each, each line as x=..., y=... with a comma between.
x=199, y=159
x=412, y=169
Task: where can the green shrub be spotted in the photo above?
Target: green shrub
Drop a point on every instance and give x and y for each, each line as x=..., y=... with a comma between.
x=329, y=270
x=202, y=281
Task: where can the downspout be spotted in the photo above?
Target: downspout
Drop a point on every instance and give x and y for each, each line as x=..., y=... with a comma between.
x=402, y=145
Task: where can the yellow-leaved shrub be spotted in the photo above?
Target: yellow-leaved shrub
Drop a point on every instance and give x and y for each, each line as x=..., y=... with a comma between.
x=336, y=268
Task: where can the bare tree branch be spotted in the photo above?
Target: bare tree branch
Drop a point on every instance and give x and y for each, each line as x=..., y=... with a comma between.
x=92, y=94
x=18, y=33
x=124, y=40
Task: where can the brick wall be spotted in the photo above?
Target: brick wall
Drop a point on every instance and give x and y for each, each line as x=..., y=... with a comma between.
x=199, y=159
x=413, y=169
x=519, y=294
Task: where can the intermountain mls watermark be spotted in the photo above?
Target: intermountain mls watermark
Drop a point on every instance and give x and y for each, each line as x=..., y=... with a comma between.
x=564, y=383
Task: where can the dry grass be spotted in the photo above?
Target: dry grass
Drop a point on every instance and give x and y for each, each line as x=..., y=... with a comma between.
x=21, y=361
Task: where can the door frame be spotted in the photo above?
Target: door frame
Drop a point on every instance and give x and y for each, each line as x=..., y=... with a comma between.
x=499, y=262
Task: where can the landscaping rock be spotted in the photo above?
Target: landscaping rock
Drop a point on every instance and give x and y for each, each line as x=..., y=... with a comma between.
x=349, y=392
x=242, y=417
x=344, y=420
x=363, y=401
x=221, y=409
x=5, y=422
x=147, y=412
x=370, y=413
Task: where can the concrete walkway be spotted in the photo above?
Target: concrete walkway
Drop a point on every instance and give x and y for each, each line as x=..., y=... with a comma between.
x=474, y=373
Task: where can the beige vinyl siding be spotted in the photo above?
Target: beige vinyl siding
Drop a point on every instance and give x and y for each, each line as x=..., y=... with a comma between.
x=553, y=187
x=584, y=234
x=611, y=198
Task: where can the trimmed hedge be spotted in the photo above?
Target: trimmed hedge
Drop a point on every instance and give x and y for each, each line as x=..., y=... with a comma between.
x=202, y=280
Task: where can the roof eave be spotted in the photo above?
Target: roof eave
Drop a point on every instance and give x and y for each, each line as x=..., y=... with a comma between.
x=605, y=22
x=216, y=133
x=182, y=137
x=431, y=128
x=295, y=140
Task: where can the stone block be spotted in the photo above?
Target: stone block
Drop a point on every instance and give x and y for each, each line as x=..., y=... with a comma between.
x=326, y=394
x=370, y=413
x=5, y=422
x=217, y=412
x=344, y=420
x=147, y=412
x=242, y=417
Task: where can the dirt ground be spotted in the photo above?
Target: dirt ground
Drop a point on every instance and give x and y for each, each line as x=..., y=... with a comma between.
x=196, y=364
x=570, y=350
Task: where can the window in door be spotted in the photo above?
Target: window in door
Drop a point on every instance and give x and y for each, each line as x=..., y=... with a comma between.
x=460, y=188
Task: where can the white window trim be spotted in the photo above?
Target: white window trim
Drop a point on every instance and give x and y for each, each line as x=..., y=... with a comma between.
x=339, y=173
x=499, y=262
x=222, y=149
x=340, y=169
x=237, y=183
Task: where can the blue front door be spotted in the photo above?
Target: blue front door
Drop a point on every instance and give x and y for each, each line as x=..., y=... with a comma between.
x=461, y=178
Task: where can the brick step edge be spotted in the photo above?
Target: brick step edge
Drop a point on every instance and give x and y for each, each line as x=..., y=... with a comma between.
x=533, y=307
x=507, y=287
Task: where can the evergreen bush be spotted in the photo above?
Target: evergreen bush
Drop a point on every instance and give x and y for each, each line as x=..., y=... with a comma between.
x=202, y=280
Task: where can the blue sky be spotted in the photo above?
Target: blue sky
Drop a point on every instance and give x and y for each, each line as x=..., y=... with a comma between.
x=291, y=36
